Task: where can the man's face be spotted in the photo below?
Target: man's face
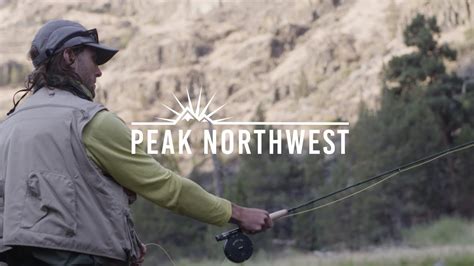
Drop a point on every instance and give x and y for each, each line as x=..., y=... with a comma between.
x=87, y=69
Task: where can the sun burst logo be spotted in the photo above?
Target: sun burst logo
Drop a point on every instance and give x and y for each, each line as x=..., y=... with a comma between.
x=191, y=112
x=194, y=112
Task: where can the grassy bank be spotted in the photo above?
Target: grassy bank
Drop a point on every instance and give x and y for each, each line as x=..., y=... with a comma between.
x=446, y=231
x=447, y=242
x=433, y=256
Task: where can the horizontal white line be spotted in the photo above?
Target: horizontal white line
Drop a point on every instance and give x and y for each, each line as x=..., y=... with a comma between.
x=285, y=123
x=153, y=123
x=252, y=123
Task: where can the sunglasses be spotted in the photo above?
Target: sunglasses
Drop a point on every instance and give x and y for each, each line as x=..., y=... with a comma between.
x=93, y=34
x=88, y=33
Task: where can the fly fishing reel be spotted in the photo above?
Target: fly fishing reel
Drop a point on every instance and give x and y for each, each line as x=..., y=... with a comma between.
x=238, y=247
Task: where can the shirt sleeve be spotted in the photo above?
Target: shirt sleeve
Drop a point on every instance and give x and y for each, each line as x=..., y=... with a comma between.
x=108, y=143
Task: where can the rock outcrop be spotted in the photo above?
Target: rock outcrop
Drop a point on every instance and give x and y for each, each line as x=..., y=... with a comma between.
x=315, y=60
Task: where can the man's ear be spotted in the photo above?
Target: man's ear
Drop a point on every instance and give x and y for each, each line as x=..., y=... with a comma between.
x=69, y=56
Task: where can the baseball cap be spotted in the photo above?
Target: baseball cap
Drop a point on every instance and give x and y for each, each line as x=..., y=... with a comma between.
x=56, y=35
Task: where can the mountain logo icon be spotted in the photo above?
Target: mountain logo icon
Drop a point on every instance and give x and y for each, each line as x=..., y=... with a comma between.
x=191, y=112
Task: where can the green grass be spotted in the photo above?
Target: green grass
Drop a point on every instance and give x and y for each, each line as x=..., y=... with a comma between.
x=447, y=242
x=446, y=256
x=446, y=231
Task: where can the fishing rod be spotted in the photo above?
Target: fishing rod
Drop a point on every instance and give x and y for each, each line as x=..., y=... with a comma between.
x=238, y=246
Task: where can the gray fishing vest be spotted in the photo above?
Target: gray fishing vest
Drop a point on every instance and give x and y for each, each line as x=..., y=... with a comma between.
x=51, y=194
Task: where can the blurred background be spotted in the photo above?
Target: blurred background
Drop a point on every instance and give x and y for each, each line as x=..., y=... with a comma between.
x=400, y=71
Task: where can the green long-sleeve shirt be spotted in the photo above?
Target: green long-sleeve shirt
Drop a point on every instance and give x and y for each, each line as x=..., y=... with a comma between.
x=108, y=143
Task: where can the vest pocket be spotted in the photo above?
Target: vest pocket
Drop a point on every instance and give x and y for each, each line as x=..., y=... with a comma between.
x=50, y=204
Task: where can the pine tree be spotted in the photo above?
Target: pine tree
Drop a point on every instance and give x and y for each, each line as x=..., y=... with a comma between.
x=422, y=111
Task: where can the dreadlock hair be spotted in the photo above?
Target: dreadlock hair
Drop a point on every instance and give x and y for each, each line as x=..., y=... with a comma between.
x=54, y=72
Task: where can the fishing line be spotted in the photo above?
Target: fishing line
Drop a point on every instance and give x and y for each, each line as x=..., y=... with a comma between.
x=343, y=198
x=164, y=251
x=386, y=175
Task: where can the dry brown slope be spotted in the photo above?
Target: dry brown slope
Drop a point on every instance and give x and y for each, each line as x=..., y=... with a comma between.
x=302, y=60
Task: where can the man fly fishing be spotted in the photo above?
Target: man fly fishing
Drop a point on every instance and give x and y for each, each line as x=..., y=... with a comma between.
x=67, y=175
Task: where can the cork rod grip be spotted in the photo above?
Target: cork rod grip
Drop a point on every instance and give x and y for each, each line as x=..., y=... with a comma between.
x=278, y=214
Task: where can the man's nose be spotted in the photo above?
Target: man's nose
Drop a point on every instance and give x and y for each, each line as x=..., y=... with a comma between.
x=98, y=73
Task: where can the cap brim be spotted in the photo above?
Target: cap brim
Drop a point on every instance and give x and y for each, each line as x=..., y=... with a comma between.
x=103, y=52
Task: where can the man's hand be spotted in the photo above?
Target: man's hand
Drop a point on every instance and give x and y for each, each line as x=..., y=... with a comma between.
x=250, y=220
x=141, y=259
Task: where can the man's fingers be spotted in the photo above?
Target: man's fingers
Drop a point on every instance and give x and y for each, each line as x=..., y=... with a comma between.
x=250, y=232
x=268, y=221
x=252, y=220
x=141, y=259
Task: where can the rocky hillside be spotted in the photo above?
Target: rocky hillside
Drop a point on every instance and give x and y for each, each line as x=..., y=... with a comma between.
x=314, y=60
x=301, y=60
